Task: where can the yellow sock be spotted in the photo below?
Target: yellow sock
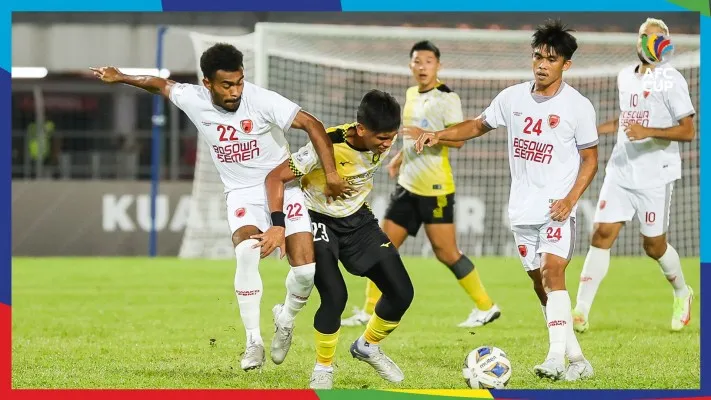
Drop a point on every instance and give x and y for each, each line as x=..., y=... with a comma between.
x=326, y=347
x=475, y=289
x=378, y=329
x=372, y=295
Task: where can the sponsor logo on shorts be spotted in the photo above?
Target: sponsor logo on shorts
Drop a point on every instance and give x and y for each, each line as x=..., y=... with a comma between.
x=239, y=213
x=385, y=244
x=603, y=203
x=522, y=250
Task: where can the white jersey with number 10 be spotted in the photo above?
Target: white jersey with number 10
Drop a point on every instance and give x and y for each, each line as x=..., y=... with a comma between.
x=246, y=144
x=544, y=137
x=656, y=99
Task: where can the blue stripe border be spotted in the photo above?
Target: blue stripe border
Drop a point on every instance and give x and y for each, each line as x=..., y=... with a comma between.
x=360, y=5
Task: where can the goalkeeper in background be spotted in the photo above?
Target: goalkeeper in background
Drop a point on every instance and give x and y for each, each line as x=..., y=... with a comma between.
x=425, y=190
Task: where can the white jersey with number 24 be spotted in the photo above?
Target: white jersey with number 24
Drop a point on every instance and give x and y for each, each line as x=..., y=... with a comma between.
x=544, y=137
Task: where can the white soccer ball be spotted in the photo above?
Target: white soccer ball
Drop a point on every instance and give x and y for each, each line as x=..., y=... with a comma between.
x=487, y=367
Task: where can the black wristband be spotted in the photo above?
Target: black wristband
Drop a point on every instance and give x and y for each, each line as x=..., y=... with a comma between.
x=278, y=219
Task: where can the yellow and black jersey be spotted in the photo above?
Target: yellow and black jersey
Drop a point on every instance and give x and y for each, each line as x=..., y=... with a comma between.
x=429, y=173
x=356, y=166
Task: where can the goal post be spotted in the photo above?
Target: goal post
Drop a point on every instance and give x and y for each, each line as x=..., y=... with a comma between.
x=327, y=68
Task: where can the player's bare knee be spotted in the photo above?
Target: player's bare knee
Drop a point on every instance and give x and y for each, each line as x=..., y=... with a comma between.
x=553, y=276
x=447, y=256
x=243, y=234
x=604, y=235
x=655, y=247
x=300, y=249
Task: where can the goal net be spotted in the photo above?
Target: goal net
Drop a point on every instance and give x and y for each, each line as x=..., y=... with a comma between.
x=326, y=69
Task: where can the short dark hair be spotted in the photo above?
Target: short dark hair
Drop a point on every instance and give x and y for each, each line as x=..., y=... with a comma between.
x=221, y=56
x=379, y=112
x=556, y=36
x=425, y=45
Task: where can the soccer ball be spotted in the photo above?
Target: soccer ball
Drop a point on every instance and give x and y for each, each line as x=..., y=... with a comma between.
x=487, y=367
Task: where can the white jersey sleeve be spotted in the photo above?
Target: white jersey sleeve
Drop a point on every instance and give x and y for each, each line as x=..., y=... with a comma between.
x=586, y=130
x=677, y=98
x=497, y=114
x=452, y=110
x=305, y=160
x=277, y=109
x=182, y=93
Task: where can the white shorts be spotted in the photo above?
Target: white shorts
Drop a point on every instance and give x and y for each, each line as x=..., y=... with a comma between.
x=557, y=238
x=249, y=207
x=652, y=206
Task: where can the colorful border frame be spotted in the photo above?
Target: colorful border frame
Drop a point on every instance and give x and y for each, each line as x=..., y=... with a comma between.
x=6, y=10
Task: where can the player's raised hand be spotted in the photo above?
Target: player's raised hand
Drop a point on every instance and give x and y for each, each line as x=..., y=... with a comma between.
x=107, y=74
x=560, y=209
x=636, y=132
x=270, y=240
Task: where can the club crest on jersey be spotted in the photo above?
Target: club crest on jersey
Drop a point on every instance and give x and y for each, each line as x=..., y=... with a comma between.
x=522, y=250
x=553, y=120
x=239, y=213
x=246, y=125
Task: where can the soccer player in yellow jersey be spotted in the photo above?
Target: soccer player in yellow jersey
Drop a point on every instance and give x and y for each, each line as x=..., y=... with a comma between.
x=425, y=190
x=347, y=230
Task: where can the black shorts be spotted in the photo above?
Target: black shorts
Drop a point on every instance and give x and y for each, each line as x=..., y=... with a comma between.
x=410, y=210
x=357, y=240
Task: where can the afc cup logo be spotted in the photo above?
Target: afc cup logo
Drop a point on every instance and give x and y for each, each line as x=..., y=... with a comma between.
x=553, y=120
x=246, y=125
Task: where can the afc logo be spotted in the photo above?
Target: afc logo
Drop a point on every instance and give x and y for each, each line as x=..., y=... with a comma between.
x=657, y=80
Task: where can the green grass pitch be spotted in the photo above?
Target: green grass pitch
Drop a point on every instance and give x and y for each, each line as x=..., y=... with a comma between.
x=169, y=323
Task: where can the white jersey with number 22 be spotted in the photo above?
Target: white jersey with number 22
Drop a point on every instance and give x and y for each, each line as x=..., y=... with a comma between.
x=544, y=137
x=246, y=144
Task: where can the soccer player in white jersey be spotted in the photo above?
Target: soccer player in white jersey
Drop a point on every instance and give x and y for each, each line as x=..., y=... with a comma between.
x=552, y=142
x=244, y=126
x=425, y=191
x=656, y=114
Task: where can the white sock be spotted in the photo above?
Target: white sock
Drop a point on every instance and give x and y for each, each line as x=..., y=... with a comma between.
x=671, y=267
x=545, y=316
x=572, y=347
x=299, y=283
x=597, y=262
x=248, y=287
x=559, y=319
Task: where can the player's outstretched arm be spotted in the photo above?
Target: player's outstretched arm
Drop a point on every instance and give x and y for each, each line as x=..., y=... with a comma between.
x=273, y=238
x=153, y=84
x=609, y=127
x=684, y=132
x=560, y=209
x=335, y=186
x=460, y=132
